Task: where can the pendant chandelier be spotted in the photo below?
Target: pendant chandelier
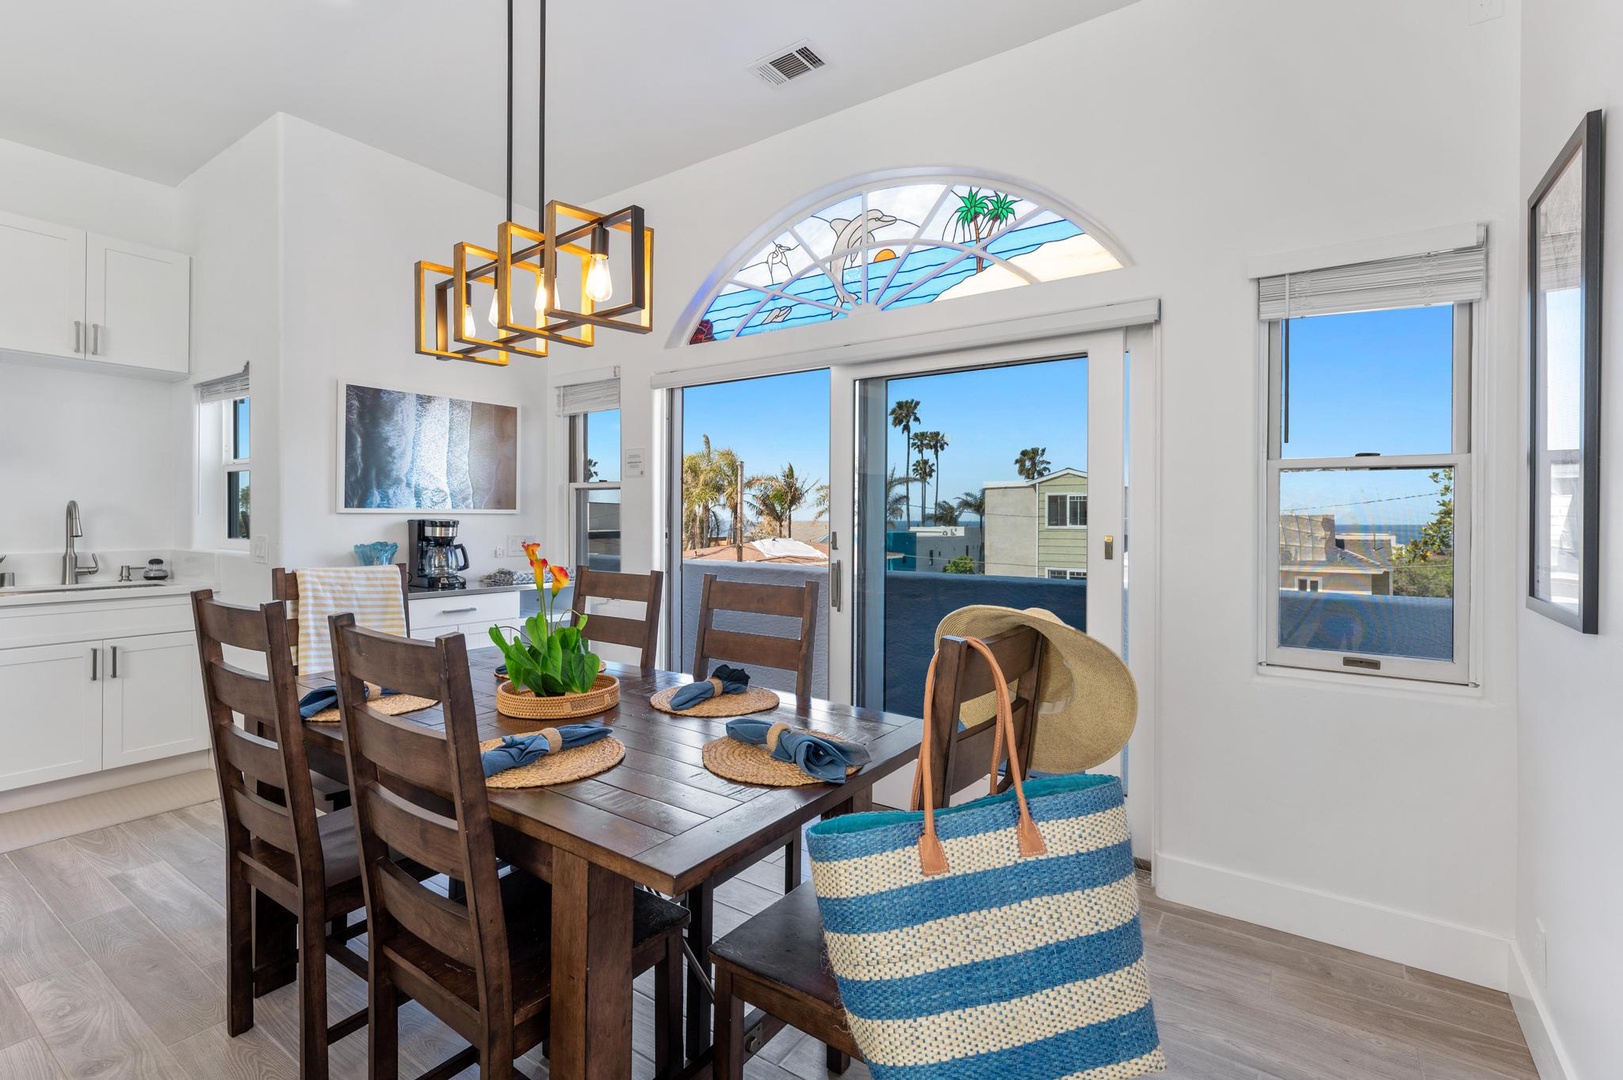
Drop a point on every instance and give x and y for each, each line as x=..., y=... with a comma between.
x=555, y=283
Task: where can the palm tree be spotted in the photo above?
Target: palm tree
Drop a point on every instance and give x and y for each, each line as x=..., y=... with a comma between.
x=898, y=497
x=922, y=472
x=904, y=414
x=931, y=442
x=970, y=216
x=820, y=502
x=709, y=479
x=972, y=502
x=1032, y=462
x=999, y=210
x=945, y=513
x=768, y=506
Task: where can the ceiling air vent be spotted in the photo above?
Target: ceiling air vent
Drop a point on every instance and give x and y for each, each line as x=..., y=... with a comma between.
x=797, y=60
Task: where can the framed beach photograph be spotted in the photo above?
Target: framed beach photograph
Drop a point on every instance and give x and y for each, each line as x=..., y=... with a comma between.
x=1564, y=280
x=406, y=453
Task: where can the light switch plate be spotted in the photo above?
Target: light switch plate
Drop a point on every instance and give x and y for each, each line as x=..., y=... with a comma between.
x=1481, y=11
x=260, y=548
x=515, y=545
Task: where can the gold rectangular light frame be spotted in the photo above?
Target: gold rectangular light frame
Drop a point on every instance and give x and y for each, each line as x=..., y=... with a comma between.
x=523, y=344
x=567, y=226
x=441, y=346
x=521, y=248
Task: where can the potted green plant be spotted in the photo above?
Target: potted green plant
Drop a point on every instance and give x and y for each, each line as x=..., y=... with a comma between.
x=551, y=674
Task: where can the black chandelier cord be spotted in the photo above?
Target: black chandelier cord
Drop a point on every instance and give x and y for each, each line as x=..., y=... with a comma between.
x=509, y=110
x=541, y=138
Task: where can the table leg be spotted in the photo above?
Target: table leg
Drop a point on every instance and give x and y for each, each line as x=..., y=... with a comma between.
x=701, y=925
x=591, y=970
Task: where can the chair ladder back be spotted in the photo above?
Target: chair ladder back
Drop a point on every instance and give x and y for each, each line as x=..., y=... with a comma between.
x=285, y=587
x=262, y=767
x=762, y=650
x=959, y=758
x=640, y=634
x=402, y=776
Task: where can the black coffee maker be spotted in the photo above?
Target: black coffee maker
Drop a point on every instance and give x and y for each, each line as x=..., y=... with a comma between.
x=436, y=557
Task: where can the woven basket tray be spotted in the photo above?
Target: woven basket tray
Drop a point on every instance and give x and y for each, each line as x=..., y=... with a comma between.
x=603, y=696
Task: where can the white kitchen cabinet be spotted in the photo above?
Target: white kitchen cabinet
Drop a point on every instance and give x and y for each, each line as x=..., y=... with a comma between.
x=42, y=287
x=138, y=305
x=73, y=295
x=152, y=699
x=50, y=719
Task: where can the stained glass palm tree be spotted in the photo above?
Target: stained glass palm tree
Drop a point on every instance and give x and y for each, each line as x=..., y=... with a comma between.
x=970, y=217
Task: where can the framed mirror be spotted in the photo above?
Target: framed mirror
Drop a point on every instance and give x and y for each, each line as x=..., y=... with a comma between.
x=1564, y=317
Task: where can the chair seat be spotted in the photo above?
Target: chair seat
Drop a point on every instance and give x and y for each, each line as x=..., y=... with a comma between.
x=783, y=945
x=339, y=852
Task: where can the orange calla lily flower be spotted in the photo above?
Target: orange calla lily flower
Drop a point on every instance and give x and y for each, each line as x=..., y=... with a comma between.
x=560, y=579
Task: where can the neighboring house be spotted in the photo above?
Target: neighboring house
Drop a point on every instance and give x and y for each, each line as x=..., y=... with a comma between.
x=1038, y=528
x=1314, y=557
x=928, y=548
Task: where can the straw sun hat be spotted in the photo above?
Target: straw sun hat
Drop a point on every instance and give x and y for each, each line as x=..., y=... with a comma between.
x=1087, y=703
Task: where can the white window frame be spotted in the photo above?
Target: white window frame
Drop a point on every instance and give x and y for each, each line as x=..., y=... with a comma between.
x=1071, y=499
x=578, y=423
x=1064, y=573
x=1457, y=671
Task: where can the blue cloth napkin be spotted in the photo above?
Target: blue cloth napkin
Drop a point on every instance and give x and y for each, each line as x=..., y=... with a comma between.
x=826, y=759
x=323, y=698
x=517, y=750
x=734, y=680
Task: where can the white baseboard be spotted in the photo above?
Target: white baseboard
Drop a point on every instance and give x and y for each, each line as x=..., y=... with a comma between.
x=1460, y=952
x=1542, y=1041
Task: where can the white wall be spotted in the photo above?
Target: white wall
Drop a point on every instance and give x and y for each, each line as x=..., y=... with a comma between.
x=354, y=220
x=102, y=439
x=1363, y=812
x=1570, y=801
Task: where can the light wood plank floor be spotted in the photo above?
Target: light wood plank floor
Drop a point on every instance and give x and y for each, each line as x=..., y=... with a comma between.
x=111, y=966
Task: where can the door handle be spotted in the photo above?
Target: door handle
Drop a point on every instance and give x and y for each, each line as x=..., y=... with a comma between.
x=834, y=589
x=95, y=339
x=113, y=672
x=1110, y=547
x=457, y=610
x=78, y=335
x=94, y=654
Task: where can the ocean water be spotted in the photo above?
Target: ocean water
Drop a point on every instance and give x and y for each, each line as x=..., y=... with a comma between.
x=922, y=267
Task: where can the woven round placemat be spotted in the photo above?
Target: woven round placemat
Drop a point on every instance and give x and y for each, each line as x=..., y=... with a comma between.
x=752, y=763
x=753, y=700
x=559, y=768
x=389, y=705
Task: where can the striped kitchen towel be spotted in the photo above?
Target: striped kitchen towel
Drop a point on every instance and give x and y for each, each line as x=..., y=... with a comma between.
x=997, y=939
x=371, y=592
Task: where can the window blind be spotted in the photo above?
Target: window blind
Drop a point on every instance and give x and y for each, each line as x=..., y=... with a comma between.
x=1436, y=277
x=590, y=397
x=225, y=388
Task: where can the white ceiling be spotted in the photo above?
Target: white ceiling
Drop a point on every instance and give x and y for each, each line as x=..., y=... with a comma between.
x=638, y=88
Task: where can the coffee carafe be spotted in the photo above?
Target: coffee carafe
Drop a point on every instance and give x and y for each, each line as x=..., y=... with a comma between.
x=436, y=557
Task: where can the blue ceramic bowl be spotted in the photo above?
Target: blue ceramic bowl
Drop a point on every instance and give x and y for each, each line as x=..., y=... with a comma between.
x=377, y=553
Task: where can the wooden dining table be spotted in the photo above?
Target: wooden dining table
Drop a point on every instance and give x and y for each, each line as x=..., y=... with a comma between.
x=658, y=819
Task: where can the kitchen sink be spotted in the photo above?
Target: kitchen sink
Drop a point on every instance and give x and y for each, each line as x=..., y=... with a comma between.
x=88, y=586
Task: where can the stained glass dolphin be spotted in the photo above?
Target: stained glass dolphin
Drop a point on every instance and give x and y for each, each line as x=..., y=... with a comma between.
x=849, y=236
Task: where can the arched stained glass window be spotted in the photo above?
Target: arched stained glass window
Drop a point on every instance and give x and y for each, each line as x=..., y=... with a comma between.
x=896, y=244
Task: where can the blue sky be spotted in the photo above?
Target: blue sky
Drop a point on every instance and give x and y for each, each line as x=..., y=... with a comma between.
x=1375, y=382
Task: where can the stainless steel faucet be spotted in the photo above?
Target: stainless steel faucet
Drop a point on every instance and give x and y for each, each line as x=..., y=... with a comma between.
x=71, y=570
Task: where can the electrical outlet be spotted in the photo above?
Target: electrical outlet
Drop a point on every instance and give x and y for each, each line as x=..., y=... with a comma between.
x=1481, y=11
x=1539, y=962
x=499, y=553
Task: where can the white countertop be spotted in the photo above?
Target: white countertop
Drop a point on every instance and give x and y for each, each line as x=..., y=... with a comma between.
x=86, y=592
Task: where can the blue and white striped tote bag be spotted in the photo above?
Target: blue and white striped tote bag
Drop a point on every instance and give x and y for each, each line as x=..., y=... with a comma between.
x=998, y=939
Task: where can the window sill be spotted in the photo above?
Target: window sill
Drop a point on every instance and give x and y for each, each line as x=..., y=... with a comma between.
x=1384, y=684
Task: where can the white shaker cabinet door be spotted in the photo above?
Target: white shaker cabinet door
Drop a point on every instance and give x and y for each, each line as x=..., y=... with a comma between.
x=42, y=288
x=50, y=713
x=152, y=699
x=138, y=301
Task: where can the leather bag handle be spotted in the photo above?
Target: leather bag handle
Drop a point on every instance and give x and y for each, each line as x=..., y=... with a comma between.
x=932, y=855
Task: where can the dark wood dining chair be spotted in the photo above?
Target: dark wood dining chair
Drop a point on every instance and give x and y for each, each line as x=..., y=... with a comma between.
x=786, y=653
x=482, y=964
x=299, y=866
x=640, y=634
x=331, y=794
x=776, y=961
